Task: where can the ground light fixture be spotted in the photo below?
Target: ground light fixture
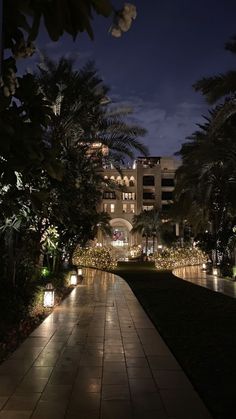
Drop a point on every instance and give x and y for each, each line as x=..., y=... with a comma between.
x=80, y=273
x=73, y=279
x=204, y=266
x=49, y=296
x=215, y=271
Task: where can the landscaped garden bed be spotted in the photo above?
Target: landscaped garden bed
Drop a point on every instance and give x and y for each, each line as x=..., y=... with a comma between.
x=17, y=324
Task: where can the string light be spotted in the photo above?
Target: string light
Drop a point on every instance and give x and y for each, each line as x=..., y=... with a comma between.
x=172, y=257
x=94, y=257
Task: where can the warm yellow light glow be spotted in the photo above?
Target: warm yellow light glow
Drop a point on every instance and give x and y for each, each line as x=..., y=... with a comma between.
x=99, y=257
x=215, y=271
x=170, y=258
x=80, y=271
x=73, y=279
x=49, y=296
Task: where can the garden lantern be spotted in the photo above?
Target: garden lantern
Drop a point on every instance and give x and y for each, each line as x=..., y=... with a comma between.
x=73, y=279
x=215, y=271
x=80, y=274
x=49, y=296
x=204, y=267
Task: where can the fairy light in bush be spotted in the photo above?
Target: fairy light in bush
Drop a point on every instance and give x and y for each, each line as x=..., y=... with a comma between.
x=96, y=257
x=171, y=258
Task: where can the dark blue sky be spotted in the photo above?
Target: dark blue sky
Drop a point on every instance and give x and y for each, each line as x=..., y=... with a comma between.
x=153, y=66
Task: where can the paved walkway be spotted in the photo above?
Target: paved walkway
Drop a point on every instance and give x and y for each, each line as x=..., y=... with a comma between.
x=197, y=276
x=97, y=356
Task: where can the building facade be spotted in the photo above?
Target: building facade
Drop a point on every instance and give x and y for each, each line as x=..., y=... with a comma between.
x=147, y=184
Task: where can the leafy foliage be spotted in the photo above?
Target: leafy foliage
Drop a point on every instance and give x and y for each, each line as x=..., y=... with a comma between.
x=206, y=181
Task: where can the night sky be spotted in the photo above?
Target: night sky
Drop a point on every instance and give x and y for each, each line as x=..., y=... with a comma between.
x=153, y=66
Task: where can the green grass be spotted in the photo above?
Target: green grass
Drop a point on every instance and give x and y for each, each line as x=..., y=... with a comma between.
x=198, y=325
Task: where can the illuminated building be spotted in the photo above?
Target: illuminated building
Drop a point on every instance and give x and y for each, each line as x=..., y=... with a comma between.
x=147, y=184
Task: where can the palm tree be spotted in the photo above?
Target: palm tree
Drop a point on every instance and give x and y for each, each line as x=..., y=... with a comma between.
x=220, y=87
x=102, y=225
x=83, y=118
x=147, y=223
x=206, y=181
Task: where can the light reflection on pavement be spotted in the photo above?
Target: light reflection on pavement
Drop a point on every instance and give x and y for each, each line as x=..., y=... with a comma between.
x=197, y=276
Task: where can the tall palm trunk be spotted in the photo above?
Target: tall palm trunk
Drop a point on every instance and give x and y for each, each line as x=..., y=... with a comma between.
x=153, y=243
x=146, y=251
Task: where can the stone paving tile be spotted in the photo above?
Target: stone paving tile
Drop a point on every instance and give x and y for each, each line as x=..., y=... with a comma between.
x=163, y=362
x=113, y=409
x=56, y=392
x=21, y=403
x=142, y=385
x=115, y=392
x=139, y=372
x=97, y=356
x=90, y=372
x=7, y=385
x=147, y=402
x=15, y=367
x=3, y=400
x=87, y=385
x=84, y=402
x=117, y=378
x=49, y=410
x=31, y=386
x=167, y=379
x=15, y=414
x=183, y=404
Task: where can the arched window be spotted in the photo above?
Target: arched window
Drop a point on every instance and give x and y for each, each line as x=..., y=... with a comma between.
x=131, y=181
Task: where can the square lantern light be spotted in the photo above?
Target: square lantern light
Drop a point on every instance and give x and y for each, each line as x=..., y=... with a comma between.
x=215, y=271
x=73, y=279
x=49, y=296
x=204, y=267
x=80, y=273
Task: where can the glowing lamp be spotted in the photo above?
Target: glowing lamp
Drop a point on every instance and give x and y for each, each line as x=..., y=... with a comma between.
x=73, y=279
x=49, y=296
x=80, y=271
x=204, y=267
x=215, y=272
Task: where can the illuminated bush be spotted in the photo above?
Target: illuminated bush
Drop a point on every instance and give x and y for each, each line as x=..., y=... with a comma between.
x=172, y=257
x=134, y=251
x=94, y=257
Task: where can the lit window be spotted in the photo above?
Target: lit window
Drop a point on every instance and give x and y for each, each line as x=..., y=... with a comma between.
x=124, y=207
x=132, y=208
x=126, y=181
x=105, y=209
x=131, y=181
x=128, y=196
x=112, y=207
x=119, y=180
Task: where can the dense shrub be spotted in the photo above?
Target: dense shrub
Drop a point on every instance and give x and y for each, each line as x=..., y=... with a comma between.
x=174, y=257
x=94, y=257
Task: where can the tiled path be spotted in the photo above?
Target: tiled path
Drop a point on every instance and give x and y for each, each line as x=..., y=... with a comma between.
x=197, y=276
x=97, y=356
